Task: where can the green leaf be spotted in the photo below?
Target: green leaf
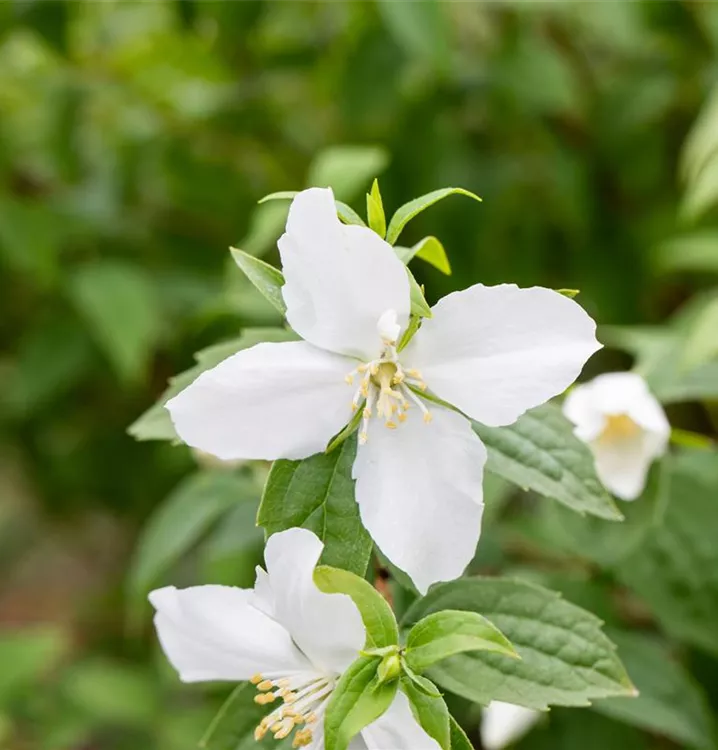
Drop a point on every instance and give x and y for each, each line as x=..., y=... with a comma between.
x=420, y=28
x=265, y=227
x=375, y=210
x=408, y=211
x=119, y=306
x=443, y=634
x=379, y=620
x=673, y=571
x=565, y=657
x=347, y=169
x=539, y=452
x=233, y=726
x=430, y=713
x=181, y=520
x=346, y=213
x=419, y=305
x=669, y=702
x=267, y=279
x=459, y=740
x=570, y=293
x=701, y=344
x=155, y=423
x=428, y=249
x=411, y=329
x=318, y=494
x=697, y=252
x=420, y=682
x=27, y=655
x=357, y=701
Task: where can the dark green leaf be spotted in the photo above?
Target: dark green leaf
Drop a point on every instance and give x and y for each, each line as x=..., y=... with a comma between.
x=431, y=713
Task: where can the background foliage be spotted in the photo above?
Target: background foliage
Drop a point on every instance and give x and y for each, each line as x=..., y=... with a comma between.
x=135, y=140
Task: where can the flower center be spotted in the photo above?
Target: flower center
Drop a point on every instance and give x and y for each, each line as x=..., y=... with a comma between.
x=385, y=388
x=304, y=700
x=619, y=427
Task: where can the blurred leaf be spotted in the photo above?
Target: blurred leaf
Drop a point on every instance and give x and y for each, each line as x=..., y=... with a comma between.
x=696, y=252
x=156, y=423
x=265, y=226
x=428, y=249
x=419, y=27
x=669, y=703
x=702, y=342
x=267, y=279
x=348, y=170
x=181, y=520
x=702, y=193
x=120, y=309
x=318, y=494
x=27, y=656
x=701, y=146
x=673, y=571
x=404, y=214
x=565, y=657
x=112, y=692
x=540, y=452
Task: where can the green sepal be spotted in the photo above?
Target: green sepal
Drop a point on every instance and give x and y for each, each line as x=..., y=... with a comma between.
x=267, y=279
x=375, y=210
x=430, y=712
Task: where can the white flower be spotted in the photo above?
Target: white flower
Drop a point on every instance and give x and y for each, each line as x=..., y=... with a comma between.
x=504, y=723
x=492, y=352
x=624, y=426
x=291, y=640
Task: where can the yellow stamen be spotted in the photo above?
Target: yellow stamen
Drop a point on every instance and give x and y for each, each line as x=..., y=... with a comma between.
x=390, y=425
x=302, y=738
x=402, y=417
x=619, y=427
x=428, y=417
x=263, y=698
x=265, y=685
x=256, y=679
x=362, y=438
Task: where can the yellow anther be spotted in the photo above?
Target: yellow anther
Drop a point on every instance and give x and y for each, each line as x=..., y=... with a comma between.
x=284, y=732
x=256, y=679
x=428, y=417
x=362, y=438
x=265, y=685
x=263, y=698
x=366, y=413
x=422, y=386
x=402, y=417
x=398, y=378
x=302, y=738
x=277, y=727
x=374, y=369
x=354, y=406
x=390, y=425
x=310, y=718
x=349, y=379
x=259, y=733
x=365, y=389
x=414, y=374
x=289, y=697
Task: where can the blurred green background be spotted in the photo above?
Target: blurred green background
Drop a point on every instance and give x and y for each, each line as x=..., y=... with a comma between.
x=135, y=141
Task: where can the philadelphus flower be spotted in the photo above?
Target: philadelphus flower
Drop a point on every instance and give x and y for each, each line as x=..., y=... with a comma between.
x=290, y=639
x=624, y=426
x=491, y=352
x=504, y=723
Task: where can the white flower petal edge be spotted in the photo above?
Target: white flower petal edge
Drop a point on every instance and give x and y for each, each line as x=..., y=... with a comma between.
x=497, y=351
x=419, y=490
x=271, y=401
x=624, y=426
x=290, y=639
x=504, y=723
x=339, y=279
x=397, y=729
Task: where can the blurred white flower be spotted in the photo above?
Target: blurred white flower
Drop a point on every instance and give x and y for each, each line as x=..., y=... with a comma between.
x=504, y=723
x=288, y=638
x=491, y=352
x=624, y=426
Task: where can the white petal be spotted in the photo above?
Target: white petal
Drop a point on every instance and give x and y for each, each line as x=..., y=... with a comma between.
x=623, y=465
x=504, y=723
x=496, y=351
x=339, y=280
x=214, y=633
x=327, y=627
x=420, y=494
x=397, y=729
x=271, y=401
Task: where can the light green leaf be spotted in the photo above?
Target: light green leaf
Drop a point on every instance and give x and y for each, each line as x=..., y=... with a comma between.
x=442, y=634
x=375, y=210
x=318, y=494
x=683, y=595
x=697, y=251
x=669, y=703
x=420, y=28
x=357, y=701
x=119, y=306
x=181, y=520
x=430, y=713
x=408, y=211
x=570, y=293
x=701, y=146
x=701, y=193
x=346, y=213
x=411, y=329
x=701, y=344
x=459, y=740
x=27, y=655
x=265, y=227
x=378, y=618
x=565, y=657
x=539, y=452
x=420, y=682
x=347, y=169
x=267, y=279
x=428, y=249
x=419, y=305
x=155, y=423
x=233, y=727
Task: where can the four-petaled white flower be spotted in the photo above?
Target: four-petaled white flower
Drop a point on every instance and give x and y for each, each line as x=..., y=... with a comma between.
x=290, y=639
x=491, y=352
x=502, y=724
x=624, y=426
